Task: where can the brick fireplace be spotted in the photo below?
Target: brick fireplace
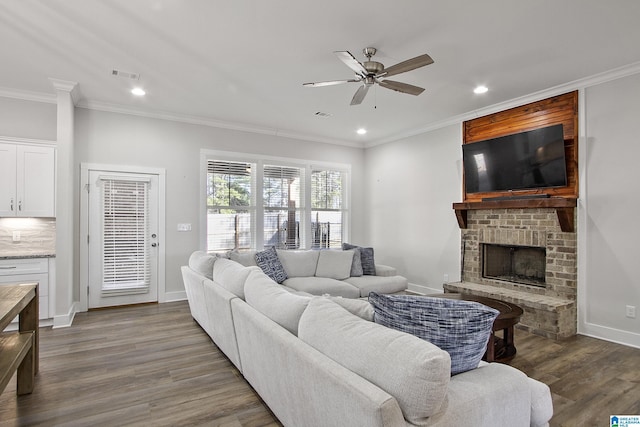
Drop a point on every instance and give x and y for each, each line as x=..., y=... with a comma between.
x=536, y=265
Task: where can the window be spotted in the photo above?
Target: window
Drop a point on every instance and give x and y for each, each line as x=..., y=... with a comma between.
x=282, y=191
x=229, y=205
x=327, y=213
x=125, y=246
x=256, y=203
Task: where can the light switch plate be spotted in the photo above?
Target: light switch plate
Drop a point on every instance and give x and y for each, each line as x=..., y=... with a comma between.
x=184, y=227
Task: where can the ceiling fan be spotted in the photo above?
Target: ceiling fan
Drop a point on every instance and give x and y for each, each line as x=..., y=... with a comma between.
x=373, y=72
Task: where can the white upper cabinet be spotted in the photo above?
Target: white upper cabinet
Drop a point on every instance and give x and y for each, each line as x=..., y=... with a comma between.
x=27, y=180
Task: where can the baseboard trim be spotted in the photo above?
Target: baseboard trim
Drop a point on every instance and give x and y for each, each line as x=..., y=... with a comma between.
x=423, y=290
x=65, y=320
x=174, y=296
x=606, y=333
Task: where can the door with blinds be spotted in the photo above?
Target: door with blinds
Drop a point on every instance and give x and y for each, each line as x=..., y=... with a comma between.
x=123, y=238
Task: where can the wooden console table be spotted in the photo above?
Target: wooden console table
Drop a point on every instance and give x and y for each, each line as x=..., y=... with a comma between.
x=19, y=350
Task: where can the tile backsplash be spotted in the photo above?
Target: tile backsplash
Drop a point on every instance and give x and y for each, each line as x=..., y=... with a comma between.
x=37, y=236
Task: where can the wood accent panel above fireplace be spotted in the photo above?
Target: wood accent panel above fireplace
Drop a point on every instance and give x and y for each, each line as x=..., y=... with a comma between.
x=561, y=109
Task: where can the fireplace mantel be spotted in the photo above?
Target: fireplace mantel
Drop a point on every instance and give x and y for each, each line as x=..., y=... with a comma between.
x=564, y=208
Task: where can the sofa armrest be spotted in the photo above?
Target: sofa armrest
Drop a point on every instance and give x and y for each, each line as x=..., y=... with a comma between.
x=492, y=395
x=385, y=270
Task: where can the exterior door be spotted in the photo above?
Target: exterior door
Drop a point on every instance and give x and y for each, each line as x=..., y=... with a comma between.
x=123, y=238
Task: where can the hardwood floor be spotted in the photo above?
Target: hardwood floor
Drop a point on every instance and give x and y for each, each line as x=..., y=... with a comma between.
x=145, y=365
x=153, y=365
x=590, y=379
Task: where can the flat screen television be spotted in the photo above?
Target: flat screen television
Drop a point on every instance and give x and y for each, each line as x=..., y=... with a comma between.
x=526, y=160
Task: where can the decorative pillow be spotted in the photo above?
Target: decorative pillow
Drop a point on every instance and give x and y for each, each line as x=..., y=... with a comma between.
x=356, y=265
x=366, y=258
x=461, y=328
x=334, y=264
x=268, y=261
x=202, y=263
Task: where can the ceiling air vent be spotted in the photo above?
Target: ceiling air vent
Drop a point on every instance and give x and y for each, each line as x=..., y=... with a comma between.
x=125, y=74
x=322, y=115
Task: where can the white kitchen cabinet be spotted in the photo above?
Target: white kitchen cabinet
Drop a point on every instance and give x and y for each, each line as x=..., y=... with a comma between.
x=29, y=270
x=27, y=180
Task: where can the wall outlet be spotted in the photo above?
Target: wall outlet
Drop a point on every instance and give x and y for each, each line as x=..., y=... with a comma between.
x=16, y=236
x=446, y=278
x=631, y=311
x=184, y=227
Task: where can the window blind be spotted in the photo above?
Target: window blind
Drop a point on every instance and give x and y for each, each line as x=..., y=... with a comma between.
x=126, y=258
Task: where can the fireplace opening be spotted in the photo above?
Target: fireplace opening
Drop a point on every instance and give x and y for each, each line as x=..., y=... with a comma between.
x=517, y=264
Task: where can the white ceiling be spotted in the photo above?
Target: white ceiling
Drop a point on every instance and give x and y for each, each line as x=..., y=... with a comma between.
x=241, y=63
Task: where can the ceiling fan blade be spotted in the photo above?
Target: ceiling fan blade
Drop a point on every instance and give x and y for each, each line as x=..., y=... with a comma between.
x=329, y=83
x=408, y=65
x=401, y=87
x=351, y=62
x=360, y=94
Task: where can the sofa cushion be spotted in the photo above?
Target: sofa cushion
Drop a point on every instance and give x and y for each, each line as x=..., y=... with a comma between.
x=270, y=264
x=461, y=328
x=380, y=284
x=412, y=370
x=334, y=264
x=273, y=301
x=359, y=307
x=298, y=263
x=323, y=285
x=366, y=258
x=356, y=264
x=246, y=258
x=231, y=275
x=202, y=263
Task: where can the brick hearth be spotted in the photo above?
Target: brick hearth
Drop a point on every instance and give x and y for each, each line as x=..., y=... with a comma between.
x=549, y=311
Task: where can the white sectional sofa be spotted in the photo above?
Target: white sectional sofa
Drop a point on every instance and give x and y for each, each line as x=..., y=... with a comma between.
x=329, y=272
x=322, y=361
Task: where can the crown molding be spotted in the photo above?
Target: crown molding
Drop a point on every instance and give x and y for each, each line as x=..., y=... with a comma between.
x=26, y=95
x=596, y=79
x=66, y=86
x=204, y=121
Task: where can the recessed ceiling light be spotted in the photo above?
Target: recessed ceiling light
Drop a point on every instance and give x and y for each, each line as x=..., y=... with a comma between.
x=361, y=131
x=138, y=91
x=480, y=89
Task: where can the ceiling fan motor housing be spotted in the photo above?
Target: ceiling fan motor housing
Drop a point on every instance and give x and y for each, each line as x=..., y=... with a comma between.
x=373, y=67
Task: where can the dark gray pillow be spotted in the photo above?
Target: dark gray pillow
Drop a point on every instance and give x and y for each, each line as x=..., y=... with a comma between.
x=356, y=264
x=461, y=328
x=366, y=258
x=270, y=264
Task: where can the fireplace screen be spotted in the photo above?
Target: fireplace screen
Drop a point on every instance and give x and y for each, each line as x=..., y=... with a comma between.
x=518, y=264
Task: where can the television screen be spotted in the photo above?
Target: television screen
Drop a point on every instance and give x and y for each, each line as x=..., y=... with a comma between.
x=527, y=160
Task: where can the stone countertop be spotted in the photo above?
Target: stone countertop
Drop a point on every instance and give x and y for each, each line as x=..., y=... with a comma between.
x=26, y=255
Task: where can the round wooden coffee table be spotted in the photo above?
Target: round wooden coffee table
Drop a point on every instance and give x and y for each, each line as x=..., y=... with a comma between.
x=499, y=349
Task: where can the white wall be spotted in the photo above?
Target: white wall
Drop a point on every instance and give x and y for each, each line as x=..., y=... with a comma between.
x=118, y=139
x=411, y=185
x=609, y=234
x=27, y=119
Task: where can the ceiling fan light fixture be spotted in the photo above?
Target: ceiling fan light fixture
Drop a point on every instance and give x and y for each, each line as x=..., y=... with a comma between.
x=480, y=89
